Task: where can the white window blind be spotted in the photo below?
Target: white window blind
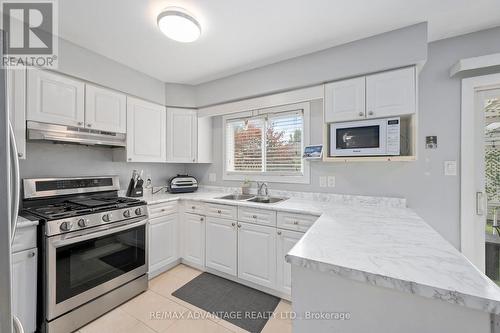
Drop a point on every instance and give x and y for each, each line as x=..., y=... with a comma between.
x=269, y=143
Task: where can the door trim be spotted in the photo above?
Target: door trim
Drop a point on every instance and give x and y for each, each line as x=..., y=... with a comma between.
x=467, y=187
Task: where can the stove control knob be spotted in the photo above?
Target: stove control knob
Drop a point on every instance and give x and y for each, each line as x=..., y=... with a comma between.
x=126, y=213
x=66, y=226
x=138, y=211
x=82, y=223
x=106, y=217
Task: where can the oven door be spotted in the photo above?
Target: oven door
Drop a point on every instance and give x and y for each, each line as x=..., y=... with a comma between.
x=363, y=138
x=82, y=266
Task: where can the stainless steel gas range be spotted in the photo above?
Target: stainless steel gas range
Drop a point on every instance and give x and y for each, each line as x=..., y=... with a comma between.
x=93, y=245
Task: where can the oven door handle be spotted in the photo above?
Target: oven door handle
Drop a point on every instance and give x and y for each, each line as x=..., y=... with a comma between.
x=109, y=231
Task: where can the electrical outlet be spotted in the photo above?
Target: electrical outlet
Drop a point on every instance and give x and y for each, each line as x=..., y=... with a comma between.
x=322, y=181
x=212, y=177
x=450, y=168
x=331, y=181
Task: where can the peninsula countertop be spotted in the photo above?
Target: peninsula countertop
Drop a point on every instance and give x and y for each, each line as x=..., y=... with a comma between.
x=377, y=241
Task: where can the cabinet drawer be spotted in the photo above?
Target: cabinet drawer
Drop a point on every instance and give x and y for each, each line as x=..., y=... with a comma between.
x=298, y=222
x=194, y=207
x=222, y=211
x=162, y=209
x=24, y=239
x=258, y=216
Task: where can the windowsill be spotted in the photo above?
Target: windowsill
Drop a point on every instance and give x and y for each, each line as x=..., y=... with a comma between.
x=289, y=179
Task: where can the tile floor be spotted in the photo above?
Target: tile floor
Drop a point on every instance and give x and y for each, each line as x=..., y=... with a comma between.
x=135, y=315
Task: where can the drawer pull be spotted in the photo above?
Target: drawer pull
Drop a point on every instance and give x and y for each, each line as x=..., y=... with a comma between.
x=233, y=224
x=31, y=254
x=295, y=222
x=219, y=211
x=254, y=216
x=239, y=225
x=201, y=219
x=279, y=232
x=193, y=207
x=163, y=209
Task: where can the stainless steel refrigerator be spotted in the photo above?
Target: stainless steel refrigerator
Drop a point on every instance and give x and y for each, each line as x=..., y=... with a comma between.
x=9, y=204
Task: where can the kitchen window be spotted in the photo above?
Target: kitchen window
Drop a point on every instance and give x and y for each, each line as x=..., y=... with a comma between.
x=267, y=145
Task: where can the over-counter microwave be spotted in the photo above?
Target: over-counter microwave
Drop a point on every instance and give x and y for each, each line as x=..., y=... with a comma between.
x=373, y=137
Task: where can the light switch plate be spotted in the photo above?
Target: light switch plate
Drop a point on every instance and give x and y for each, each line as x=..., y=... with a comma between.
x=212, y=177
x=450, y=168
x=322, y=181
x=331, y=181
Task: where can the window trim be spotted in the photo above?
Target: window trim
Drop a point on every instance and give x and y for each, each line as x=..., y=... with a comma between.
x=272, y=177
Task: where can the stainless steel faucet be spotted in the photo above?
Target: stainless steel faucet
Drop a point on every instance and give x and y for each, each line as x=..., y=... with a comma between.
x=261, y=186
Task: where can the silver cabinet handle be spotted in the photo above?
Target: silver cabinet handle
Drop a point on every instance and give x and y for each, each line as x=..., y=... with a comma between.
x=89, y=125
x=80, y=123
x=129, y=159
x=201, y=219
x=31, y=254
x=239, y=225
x=254, y=216
x=15, y=182
x=193, y=207
x=219, y=211
x=20, y=154
x=370, y=113
x=279, y=232
x=18, y=327
x=233, y=224
x=361, y=114
x=295, y=222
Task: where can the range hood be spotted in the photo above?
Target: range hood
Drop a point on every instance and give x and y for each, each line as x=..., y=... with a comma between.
x=71, y=134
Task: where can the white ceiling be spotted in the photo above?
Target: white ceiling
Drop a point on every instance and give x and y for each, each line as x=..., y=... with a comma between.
x=239, y=35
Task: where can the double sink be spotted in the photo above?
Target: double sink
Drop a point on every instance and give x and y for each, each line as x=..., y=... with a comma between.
x=252, y=198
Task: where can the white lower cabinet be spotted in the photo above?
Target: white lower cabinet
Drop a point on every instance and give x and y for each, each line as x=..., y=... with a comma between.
x=221, y=238
x=193, y=239
x=24, y=282
x=257, y=254
x=286, y=240
x=163, y=242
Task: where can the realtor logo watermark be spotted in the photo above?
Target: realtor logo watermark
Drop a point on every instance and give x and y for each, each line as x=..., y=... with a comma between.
x=31, y=33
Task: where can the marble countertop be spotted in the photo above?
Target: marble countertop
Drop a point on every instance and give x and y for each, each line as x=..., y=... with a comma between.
x=376, y=241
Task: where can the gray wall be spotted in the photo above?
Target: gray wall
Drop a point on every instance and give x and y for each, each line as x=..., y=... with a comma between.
x=67, y=160
x=398, y=48
x=432, y=195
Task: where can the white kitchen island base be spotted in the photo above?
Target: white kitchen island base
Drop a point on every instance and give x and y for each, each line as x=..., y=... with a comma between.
x=373, y=309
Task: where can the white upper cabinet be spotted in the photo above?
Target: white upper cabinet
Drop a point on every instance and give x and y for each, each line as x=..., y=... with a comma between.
x=385, y=94
x=257, y=254
x=391, y=93
x=105, y=109
x=345, y=100
x=221, y=240
x=182, y=135
x=16, y=90
x=55, y=99
x=146, y=131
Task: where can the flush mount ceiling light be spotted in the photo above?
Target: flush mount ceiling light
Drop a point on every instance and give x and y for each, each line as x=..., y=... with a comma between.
x=177, y=24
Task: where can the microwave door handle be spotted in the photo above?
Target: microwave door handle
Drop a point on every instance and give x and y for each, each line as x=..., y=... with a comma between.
x=108, y=231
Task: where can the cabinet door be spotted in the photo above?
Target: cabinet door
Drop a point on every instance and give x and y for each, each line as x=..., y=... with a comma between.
x=182, y=139
x=16, y=90
x=55, y=99
x=24, y=282
x=286, y=240
x=146, y=131
x=105, y=110
x=345, y=100
x=221, y=245
x=391, y=93
x=193, y=228
x=163, y=236
x=257, y=254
